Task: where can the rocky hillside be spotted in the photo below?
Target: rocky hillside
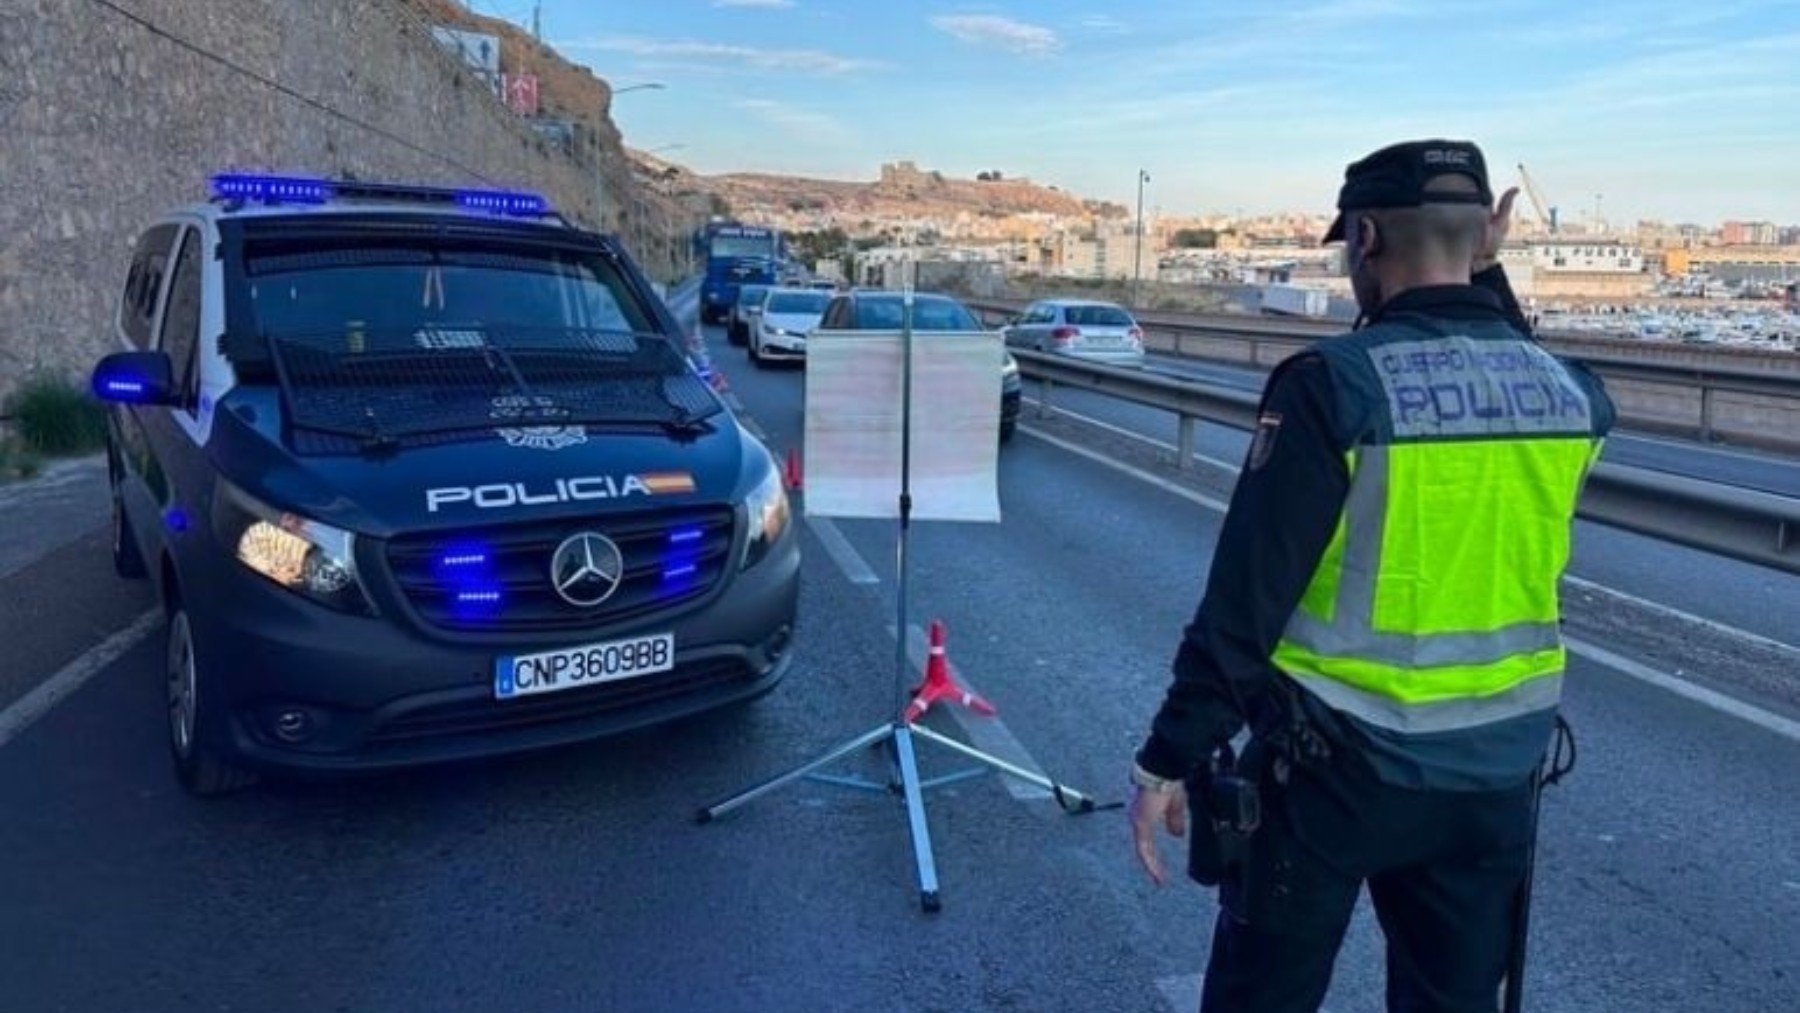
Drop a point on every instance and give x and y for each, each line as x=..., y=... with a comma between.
x=902, y=190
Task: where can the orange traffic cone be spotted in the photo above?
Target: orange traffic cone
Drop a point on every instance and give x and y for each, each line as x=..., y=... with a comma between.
x=791, y=474
x=939, y=684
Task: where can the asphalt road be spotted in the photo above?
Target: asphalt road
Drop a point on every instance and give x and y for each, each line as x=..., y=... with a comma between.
x=576, y=880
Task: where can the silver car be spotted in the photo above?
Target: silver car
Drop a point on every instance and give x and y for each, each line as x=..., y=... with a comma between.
x=778, y=332
x=1085, y=329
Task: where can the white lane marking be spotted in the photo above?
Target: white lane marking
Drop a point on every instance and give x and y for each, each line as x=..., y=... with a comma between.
x=990, y=735
x=71, y=677
x=1137, y=473
x=841, y=551
x=1787, y=728
x=1141, y=438
x=1675, y=684
x=1675, y=613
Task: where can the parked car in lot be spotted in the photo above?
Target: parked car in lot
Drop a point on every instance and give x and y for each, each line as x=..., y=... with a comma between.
x=738, y=318
x=778, y=331
x=875, y=310
x=1081, y=328
x=499, y=514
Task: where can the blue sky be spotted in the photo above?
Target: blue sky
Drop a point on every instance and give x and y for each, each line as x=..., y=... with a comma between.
x=1685, y=111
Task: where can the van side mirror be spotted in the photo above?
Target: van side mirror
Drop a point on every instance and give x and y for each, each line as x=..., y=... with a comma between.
x=135, y=378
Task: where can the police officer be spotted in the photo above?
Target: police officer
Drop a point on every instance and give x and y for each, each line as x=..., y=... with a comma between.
x=1382, y=613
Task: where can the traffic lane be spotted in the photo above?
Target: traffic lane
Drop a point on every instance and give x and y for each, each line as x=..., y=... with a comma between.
x=39, y=515
x=1069, y=631
x=1753, y=598
x=61, y=605
x=1066, y=615
x=570, y=879
x=1744, y=468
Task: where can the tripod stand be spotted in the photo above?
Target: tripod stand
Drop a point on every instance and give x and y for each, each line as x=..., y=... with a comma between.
x=900, y=735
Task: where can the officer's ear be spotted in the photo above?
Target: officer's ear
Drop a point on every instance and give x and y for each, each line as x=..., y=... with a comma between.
x=1369, y=238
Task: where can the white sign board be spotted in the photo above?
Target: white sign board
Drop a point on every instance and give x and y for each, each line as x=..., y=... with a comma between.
x=480, y=51
x=853, y=418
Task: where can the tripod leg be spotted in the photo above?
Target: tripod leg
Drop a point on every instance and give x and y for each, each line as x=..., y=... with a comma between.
x=1067, y=797
x=915, y=814
x=717, y=809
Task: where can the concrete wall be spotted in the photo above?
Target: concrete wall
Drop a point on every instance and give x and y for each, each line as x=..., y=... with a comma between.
x=106, y=121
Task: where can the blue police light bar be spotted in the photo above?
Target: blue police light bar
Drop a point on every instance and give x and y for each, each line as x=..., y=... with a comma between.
x=302, y=190
x=271, y=189
x=503, y=202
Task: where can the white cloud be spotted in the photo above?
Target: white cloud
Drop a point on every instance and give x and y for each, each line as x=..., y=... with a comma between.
x=805, y=125
x=1004, y=33
x=771, y=5
x=716, y=55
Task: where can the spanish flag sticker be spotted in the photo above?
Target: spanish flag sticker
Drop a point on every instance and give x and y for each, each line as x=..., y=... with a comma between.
x=668, y=483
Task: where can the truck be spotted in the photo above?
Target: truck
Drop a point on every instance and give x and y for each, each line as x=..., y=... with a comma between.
x=1295, y=301
x=734, y=255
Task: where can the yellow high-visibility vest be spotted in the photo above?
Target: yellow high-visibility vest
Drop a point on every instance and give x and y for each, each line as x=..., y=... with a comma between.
x=1434, y=608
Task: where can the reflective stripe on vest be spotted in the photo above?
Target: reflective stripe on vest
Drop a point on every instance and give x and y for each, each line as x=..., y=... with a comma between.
x=1434, y=607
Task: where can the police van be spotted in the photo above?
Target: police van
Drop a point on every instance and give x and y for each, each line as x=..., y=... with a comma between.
x=423, y=474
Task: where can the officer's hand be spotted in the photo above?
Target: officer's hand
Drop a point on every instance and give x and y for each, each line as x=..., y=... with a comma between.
x=1148, y=808
x=1499, y=224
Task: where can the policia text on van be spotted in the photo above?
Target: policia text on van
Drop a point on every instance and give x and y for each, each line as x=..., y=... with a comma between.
x=422, y=474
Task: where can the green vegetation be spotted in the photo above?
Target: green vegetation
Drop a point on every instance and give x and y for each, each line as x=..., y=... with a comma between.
x=16, y=462
x=52, y=416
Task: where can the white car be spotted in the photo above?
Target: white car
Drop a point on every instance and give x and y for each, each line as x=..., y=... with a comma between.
x=1079, y=328
x=778, y=333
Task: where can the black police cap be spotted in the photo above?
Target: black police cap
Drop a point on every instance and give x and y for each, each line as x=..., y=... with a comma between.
x=1396, y=176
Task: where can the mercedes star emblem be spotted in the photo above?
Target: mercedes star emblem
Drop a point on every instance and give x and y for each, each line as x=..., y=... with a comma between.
x=586, y=569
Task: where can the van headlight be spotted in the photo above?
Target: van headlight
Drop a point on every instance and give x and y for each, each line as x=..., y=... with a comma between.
x=305, y=556
x=767, y=507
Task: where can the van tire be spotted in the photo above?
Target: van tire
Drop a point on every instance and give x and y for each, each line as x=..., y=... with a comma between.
x=200, y=767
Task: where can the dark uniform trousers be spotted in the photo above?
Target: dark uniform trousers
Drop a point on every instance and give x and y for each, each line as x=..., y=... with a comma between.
x=1443, y=870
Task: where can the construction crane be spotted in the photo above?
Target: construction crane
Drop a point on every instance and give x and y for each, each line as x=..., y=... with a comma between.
x=1546, y=214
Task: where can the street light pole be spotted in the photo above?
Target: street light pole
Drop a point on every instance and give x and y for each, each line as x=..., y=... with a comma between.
x=1137, y=259
x=599, y=169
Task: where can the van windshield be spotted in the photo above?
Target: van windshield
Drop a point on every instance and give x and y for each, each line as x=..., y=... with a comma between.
x=396, y=290
x=376, y=344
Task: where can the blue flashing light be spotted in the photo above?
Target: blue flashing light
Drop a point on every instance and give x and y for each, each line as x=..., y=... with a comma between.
x=679, y=573
x=461, y=560
x=476, y=601
x=175, y=519
x=116, y=386
x=502, y=202
x=686, y=536
x=271, y=189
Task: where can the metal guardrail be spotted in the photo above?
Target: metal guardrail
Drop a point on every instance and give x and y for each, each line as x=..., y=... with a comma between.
x=1747, y=524
x=1707, y=402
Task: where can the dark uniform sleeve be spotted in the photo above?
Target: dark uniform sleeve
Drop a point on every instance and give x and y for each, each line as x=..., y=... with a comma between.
x=1494, y=280
x=1282, y=515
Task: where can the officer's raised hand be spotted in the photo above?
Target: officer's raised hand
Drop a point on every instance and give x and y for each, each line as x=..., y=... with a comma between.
x=1164, y=803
